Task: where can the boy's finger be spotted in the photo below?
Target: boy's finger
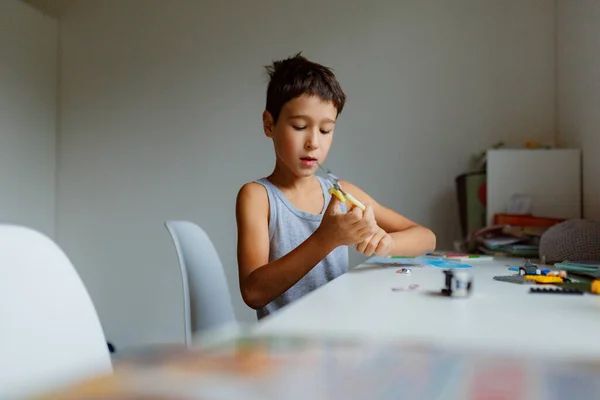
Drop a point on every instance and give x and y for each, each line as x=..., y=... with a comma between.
x=383, y=243
x=363, y=245
x=365, y=233
x=369, y=213
x=354, y=215
x=333, y=207
x=374, y=243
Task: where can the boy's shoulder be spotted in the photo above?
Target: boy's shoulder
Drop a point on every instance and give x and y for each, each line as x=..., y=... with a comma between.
x=253, y=193
x=252, y=188
x=252, y=205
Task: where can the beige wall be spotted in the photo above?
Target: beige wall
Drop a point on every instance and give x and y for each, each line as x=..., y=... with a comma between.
x=49, y=7
x=28, y=116
x=578, y=54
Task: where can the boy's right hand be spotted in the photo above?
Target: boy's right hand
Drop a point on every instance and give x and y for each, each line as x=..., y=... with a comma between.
x=345, y=229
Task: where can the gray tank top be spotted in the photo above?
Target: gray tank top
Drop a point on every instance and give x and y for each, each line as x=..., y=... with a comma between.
x=288, y=228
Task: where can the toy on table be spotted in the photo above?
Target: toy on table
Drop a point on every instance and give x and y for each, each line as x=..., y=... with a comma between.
x=532, y=269
x=338, y=192
x=584, y=281
x=530, y=273
x=562, y=274
x=527, y=269
x=518, y=279
x=544, y=279
x=458, y=283
x=547, y=290
x=404, y=271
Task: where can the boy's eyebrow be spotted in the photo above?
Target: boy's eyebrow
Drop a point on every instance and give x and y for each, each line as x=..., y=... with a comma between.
x=307, y=117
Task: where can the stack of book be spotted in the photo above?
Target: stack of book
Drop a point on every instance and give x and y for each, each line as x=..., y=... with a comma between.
x=510, y=241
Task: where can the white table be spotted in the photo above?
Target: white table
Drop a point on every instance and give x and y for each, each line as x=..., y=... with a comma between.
x=498, y=316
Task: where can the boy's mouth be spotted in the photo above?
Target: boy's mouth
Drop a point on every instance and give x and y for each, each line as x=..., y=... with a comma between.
x=308, y=161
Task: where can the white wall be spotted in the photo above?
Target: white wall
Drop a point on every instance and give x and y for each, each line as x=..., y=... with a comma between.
x=161, y=119
x=28, y=112
x=578, y=54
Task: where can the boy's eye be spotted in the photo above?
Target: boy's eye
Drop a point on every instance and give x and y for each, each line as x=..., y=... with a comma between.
x=298, y=128
x=325, y=132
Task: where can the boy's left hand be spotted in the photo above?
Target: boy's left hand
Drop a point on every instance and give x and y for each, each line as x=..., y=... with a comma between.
x=380, y=243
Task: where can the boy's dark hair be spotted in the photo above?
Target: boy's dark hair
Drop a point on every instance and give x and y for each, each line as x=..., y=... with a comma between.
x=295, y=76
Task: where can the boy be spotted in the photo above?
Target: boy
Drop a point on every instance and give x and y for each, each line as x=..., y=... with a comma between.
x=292, y=234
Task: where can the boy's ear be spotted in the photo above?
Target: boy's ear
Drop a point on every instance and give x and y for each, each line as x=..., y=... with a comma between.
x=268, y=123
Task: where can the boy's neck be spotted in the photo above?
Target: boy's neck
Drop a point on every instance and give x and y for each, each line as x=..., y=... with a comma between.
x=282, y=178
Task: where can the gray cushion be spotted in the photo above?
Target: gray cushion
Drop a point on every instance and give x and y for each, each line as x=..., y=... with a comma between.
x=573, y=240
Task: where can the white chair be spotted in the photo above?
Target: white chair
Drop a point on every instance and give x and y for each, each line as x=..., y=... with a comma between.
x=206, y=298
x=50, y=334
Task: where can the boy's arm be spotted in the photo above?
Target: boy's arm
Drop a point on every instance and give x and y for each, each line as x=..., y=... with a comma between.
x=260, y=281
x=408, y=237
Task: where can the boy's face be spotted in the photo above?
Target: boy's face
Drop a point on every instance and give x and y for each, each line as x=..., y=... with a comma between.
x=303, y=133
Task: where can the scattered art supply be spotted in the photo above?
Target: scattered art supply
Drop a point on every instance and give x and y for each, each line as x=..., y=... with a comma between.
x=403, y=289
x=391, y=261
x=458, y=284
x=518, y=279
x=446, y=264
x=411, y=265
x=562, y=274
x=462, y=256
x=531, y=271
x=527, y=269
x=404, y=271
x=587, y=287
x=546, y=290
x=578, y=267
x=423, y=261
x=595, y=287
x=544, y=279
x=397, y=264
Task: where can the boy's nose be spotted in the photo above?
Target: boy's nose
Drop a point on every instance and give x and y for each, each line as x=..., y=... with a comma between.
x=312, y=141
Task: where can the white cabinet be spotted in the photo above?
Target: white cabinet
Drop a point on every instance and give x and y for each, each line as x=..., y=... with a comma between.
x=551, y=177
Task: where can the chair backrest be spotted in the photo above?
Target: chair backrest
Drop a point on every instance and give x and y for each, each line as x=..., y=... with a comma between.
x=207, y=301
x=50, y=334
